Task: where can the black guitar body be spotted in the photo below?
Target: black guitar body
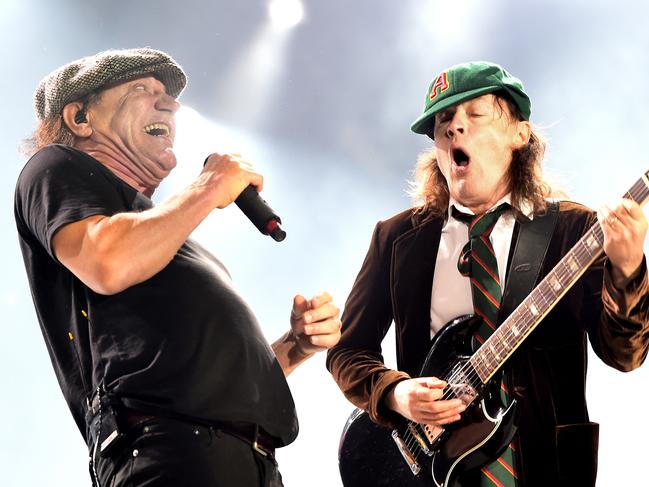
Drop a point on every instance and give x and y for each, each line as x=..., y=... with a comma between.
x=369, y=455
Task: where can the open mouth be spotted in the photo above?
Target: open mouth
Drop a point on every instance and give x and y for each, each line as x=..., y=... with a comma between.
x=158, y=129
x=460, y=158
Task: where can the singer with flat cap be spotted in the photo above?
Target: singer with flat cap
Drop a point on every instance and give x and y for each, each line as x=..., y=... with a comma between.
x=161, y=361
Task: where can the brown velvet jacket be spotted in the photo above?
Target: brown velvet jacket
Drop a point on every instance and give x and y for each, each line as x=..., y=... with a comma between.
x=557, y=442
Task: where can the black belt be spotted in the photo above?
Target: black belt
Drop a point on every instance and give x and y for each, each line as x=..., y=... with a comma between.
x=249, y=433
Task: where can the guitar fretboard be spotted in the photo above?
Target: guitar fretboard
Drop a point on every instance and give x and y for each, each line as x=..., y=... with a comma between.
x=511, y=333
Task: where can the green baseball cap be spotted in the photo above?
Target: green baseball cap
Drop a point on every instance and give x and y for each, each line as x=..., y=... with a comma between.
x=462, y=82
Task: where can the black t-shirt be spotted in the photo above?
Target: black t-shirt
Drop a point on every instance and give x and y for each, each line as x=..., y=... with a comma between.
x=183, y=342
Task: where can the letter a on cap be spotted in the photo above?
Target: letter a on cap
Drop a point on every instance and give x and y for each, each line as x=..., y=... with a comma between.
x=441, y=82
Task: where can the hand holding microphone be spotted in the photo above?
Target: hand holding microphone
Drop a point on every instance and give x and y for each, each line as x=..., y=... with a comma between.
x=232, y=172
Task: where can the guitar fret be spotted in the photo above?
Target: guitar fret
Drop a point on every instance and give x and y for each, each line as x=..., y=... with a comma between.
x=592, y=244
x=542, y=292
x=494, y=351
x=493, y=363
x=554, y=282
x=509, y=339
x=479, y=362
x=572, y=263
x=549, y=294
x=481, y=370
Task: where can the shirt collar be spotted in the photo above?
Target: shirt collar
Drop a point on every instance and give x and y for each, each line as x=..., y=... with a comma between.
x=526, y=208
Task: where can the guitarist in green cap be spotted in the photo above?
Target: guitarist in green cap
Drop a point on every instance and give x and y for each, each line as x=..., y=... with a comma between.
x=500, y=399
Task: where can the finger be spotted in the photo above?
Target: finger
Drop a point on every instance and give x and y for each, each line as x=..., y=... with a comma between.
x=300, y=306
x=608, y=219
x=246, y=169
x=618, y=224
x=433, y=396
x=431, y=382
x=229, y=163
x=625, y=211
x=619, y=214
x=255, y=179
x=246, y=165
x=326, y=327
x=320, y=299
x=634, y=220
x=632, y=210
x=443, y=417
x=213, y=159
x=449, y=420
x=323, y=312
x=447, y=413
x=445, y=407
x=324, y=341
x=604, y=213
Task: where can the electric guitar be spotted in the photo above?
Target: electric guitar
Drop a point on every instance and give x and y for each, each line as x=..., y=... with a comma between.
x=419, y=455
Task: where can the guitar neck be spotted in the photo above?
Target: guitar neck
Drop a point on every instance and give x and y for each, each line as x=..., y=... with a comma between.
x=512, y=332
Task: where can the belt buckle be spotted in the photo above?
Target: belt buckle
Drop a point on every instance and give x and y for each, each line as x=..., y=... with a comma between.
x=255, y=444
x=259, y=449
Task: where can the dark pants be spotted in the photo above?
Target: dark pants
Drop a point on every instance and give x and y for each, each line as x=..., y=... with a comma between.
x=166, y=452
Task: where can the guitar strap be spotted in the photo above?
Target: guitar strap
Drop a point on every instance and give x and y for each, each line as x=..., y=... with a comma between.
x=528, y=256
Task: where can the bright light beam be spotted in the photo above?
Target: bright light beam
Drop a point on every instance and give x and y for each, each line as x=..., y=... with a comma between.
x=285, y=14
x=245, y=94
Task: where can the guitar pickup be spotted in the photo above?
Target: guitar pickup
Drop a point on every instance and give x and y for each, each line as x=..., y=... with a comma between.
x=422, y=442
x=415, y=468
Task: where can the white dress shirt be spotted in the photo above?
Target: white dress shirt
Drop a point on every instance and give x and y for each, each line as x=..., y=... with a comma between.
x=451, y=293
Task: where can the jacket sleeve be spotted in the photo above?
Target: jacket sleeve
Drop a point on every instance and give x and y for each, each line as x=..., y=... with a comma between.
x=356, y=362
x=618, y=323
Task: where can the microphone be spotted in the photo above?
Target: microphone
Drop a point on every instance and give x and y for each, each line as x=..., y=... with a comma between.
x=260, y=214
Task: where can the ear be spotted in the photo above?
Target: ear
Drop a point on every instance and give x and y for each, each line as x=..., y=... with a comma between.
x=523, y=133
x=76, y=119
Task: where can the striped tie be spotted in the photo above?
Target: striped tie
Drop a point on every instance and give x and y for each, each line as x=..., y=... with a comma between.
x=478, y=262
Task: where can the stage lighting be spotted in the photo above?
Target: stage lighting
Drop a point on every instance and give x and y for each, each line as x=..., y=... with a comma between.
x=285, y=14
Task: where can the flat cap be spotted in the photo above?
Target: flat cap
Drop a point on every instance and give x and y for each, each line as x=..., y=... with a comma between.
x=83, y=76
